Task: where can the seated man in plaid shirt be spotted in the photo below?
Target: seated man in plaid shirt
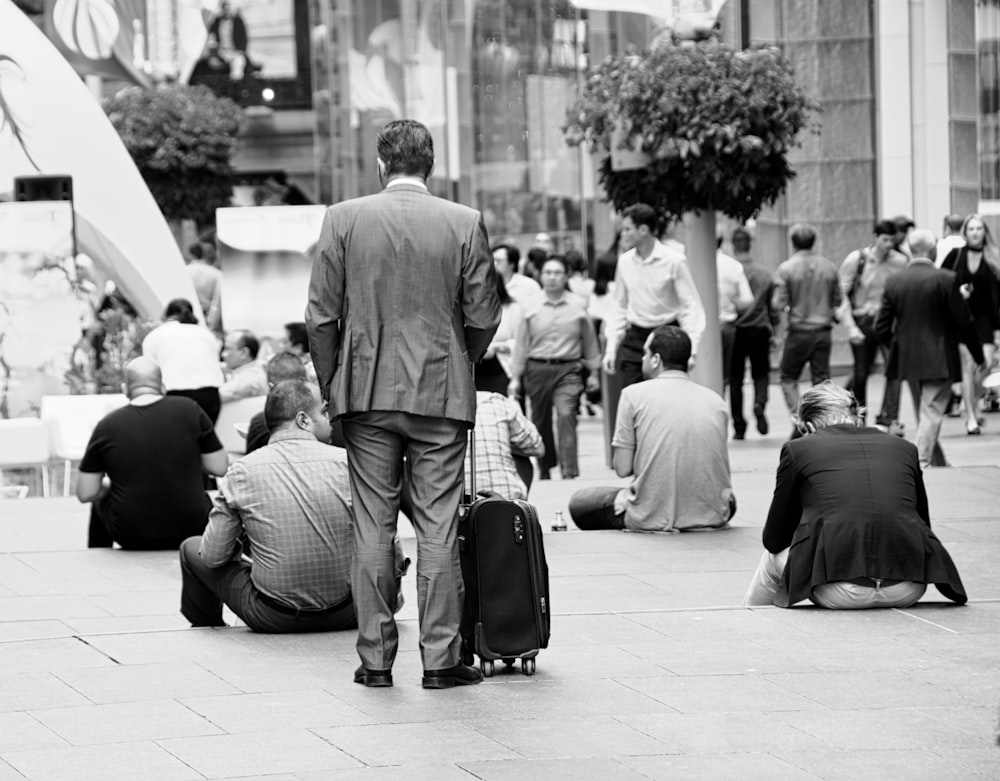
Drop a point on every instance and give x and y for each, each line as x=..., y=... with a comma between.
x=504, y=440
x=292, y=501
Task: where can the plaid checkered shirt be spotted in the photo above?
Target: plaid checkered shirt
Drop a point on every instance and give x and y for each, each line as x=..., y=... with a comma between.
x=293, y=499
x=501, y=430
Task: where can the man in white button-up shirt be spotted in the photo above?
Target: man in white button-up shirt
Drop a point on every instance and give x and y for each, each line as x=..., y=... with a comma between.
x=653, y=287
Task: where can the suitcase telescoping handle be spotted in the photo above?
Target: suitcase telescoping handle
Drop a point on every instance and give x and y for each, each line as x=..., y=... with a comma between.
x=472, y=447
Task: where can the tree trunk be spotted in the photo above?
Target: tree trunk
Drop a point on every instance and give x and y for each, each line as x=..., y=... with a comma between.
x=701, y=260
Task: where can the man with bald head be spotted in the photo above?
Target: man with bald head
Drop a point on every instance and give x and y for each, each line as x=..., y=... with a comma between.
x=922, y=319
x=143, y=467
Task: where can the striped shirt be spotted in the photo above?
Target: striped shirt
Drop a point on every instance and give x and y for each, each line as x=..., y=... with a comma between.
x=293, y=499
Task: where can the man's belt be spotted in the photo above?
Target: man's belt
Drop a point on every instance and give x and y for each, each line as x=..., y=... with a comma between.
x=288, y=610
x=645, y=331
x=554, y=360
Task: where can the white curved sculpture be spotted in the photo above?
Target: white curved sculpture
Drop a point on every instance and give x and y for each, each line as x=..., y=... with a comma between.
x=51, y=124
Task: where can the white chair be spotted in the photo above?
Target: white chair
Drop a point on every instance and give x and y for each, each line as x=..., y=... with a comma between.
x=71, y=421
x=234, y=416
x=24, y=443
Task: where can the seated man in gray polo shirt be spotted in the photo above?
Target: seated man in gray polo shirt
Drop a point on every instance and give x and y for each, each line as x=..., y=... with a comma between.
x=670, y=436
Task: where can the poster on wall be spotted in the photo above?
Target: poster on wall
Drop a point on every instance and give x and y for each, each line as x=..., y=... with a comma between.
x=44, y=307
x=264, y=255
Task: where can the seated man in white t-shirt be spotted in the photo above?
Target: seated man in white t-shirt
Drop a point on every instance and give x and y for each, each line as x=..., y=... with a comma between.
x=670, y=436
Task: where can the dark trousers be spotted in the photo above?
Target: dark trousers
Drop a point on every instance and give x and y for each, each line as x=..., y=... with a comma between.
x=555, y=386
x=205, y=589
x=628, y=360
x=594, y=508
x=753, y=344
x=864, y=359
x=728, y=331
x=804, y=346
x=206, y=398
x=100, y=534
x=434, y=451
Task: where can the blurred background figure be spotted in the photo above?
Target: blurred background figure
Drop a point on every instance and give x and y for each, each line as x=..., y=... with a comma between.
x=188, y=356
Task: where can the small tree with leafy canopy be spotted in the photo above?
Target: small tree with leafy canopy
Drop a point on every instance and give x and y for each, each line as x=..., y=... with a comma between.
x=182, y=140
x=716, y=126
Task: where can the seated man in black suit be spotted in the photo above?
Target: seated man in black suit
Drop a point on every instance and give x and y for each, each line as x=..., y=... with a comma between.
x=849, y=526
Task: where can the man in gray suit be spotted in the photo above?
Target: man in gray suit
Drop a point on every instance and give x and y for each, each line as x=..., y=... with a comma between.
x=402, y=302
x=922, y=319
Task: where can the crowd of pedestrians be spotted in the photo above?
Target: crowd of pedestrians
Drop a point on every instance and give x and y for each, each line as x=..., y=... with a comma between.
x=370, y=400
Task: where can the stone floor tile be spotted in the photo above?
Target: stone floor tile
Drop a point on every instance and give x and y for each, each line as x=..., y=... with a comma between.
x=568, y=737
x=553, y=769
x=133, y=683
x=978, y=617
x=699, y=589
x=980, y=722
x=868, y=730
x=140, y=603
x=601, y=627
x=126, y=625
x=604, y=563
x=981, y=685
x=394, y=744
x=27, y=691
x=7, y=773
x=266, y=675
x=291, y=709
x=592, y=661
x=866, y=690
x=723, y=732
x=690, y=561
x=274, y=750
x=22, y=732
x=110, y=762
x=973, y=763
x=909, y=764
x=21, y=608
x=577, y=698
x=61, y=653
x=752, y=766
x=15, y=631
x=411, y=771
x=126, y=722
x=723, y=658
x=603, y=593
x=720, y=693
x=699, y=626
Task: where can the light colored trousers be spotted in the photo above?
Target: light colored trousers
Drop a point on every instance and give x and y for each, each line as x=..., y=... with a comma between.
x=835, y=596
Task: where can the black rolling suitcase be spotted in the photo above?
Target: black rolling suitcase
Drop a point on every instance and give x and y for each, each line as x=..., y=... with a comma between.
x=506, y=614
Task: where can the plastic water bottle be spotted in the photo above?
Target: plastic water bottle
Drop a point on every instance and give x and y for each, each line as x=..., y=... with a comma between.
x=559, y=523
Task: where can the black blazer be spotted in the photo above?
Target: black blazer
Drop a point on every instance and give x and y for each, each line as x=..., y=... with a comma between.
x=922, y=320
x=850, y=502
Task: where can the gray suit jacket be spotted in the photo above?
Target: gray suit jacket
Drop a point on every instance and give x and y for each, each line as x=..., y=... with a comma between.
x=402, y=301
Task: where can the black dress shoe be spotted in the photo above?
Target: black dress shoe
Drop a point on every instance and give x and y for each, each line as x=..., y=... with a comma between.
x=374, y=678
x=459, y=675
x=762, y=427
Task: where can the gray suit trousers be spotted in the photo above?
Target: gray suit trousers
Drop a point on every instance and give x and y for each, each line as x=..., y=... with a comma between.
x=434, y=450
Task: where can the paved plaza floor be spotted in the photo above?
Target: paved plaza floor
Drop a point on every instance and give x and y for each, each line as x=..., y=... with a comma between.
x=654, y=671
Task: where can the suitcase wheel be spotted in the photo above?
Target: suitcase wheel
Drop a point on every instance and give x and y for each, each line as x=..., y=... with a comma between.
x=486, y=666
x=528, y=666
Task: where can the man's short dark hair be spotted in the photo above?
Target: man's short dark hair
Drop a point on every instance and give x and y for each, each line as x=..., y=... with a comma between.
x=673, y=346
x=642, y=214
x=903, y=223
x=285, y=366
x=741, y=240
x=513, y=253
x=560, y=259
x=181, y=310
x=297, y=336
x=954, y=222
x=285, y=400
x=248, y=340
x=885, y=228
x=537, y=257
x=406, y=148
x=803, y=236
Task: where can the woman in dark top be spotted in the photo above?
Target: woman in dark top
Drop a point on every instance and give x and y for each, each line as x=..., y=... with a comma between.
x=977, y=267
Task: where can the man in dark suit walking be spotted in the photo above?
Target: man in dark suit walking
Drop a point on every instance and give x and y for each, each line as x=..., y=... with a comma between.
x=922, y=319
x=402, y=302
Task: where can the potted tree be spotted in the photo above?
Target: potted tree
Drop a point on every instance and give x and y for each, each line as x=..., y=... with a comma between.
x=691, y=130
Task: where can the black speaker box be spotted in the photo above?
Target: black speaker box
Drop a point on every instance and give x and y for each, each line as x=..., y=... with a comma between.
x=43, y=188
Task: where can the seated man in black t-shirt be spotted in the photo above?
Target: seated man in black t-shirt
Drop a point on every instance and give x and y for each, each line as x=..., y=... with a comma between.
x=143, y=467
